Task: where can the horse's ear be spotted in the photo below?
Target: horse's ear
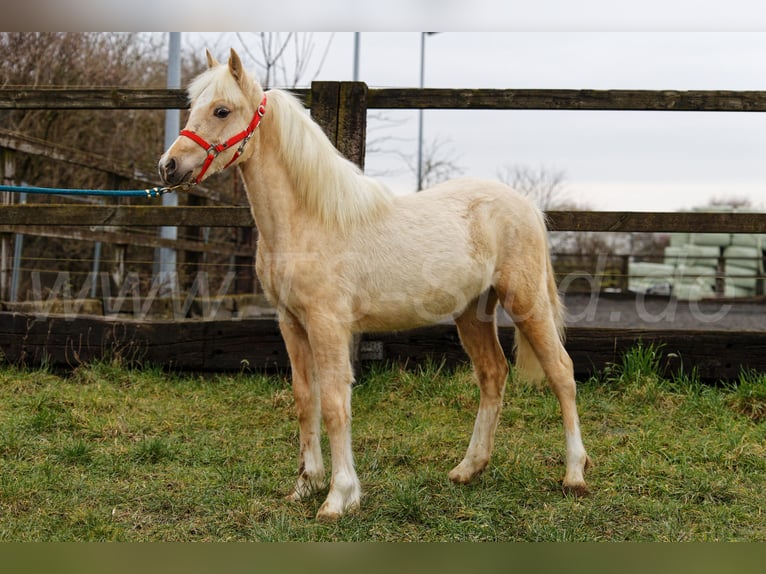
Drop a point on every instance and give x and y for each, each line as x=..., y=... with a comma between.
x=211, y=61
x=235, y=66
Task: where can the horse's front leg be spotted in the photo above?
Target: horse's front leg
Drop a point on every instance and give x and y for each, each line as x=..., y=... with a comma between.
x=306, y=393
x=330, y=342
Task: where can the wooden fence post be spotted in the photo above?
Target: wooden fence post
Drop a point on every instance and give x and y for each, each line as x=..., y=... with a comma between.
x=120, y=249
x=246, y=281
x=191, y=263
x=340, y=108
x=325, y=98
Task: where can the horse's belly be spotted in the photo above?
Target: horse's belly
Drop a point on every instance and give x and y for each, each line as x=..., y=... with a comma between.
x=400, y=317
x=408, y=305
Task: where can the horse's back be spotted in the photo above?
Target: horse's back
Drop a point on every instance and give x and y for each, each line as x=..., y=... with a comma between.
x=475, y=192
x=494, y=214
x=437, y=251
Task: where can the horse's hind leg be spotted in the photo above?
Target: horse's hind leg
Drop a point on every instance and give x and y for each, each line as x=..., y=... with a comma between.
x=478, y=334
x=534, y=318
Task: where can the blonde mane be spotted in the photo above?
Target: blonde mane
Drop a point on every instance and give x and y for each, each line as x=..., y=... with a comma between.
x=328, y=186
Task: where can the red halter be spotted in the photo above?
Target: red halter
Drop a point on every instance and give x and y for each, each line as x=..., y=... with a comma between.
x=214, y=149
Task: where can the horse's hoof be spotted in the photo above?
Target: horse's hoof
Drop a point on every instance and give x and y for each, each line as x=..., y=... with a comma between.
x=458, y=477
x=326, y=514
x=463, y=473
x=576, y=490
x=293, y=497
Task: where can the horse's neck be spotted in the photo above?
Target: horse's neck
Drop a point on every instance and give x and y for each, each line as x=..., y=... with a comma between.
x=284, y=197
x=271, y=197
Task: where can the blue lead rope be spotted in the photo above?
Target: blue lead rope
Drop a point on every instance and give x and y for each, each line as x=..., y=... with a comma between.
x=151, y=192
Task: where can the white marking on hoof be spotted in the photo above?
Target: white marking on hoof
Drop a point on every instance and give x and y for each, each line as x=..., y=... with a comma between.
x=466, y=471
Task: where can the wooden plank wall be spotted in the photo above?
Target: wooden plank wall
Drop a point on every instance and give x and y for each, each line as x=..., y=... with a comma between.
x=256, y=344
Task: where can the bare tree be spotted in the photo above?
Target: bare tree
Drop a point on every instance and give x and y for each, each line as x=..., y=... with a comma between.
x=544, y=186
x=440, y=162
x=574, y=252
x=380, y=142
x=283, y=59
x=123, y=138
x=84, y=59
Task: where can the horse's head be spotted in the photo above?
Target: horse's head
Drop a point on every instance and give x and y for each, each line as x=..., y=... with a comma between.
x=226, y=107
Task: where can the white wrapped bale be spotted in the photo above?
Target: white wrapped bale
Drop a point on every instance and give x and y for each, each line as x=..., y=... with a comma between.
x=745, y=277
x=746, y=240
x=679, y=239
x=741, y=256
x=675, y=255
x=695, y=275
x=714, y=239
x=645, y=277
x=694, y=255
x=648, y=270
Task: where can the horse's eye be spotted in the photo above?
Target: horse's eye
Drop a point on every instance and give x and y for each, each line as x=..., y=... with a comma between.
x=221, y=112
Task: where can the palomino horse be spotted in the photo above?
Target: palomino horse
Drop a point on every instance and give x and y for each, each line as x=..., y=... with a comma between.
x=339, y=254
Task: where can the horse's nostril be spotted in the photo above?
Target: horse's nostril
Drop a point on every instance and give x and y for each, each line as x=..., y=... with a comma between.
x=168, y=170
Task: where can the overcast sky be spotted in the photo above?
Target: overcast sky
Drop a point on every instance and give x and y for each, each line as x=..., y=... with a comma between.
x=610, y=160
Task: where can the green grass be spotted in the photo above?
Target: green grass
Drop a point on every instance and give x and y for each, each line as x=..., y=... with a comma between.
x=113, y=453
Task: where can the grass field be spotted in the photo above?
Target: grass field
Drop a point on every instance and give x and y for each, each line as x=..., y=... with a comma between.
x=113, y=453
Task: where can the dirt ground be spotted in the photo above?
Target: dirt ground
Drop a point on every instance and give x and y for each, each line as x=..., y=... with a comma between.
x=656, y=312
x=627, y=311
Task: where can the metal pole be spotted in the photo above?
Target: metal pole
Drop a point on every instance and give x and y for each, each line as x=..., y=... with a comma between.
x=356, y=55
x=96, y=266
x=18, y=247
x=168, y=256
x=420, y=111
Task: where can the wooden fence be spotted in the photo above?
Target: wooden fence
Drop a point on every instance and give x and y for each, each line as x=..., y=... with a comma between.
x=341, y=109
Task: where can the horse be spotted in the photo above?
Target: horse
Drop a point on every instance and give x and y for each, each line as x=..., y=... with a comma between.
x=339, y=254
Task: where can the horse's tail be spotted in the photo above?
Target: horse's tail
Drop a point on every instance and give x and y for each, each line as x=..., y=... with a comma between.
x=527, y=364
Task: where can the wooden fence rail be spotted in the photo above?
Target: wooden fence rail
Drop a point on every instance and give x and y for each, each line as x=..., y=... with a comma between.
x=28, y=98
x=231, y=216
x=412, y=98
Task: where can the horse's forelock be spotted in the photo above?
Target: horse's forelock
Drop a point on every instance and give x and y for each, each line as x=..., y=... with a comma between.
x=216, y=83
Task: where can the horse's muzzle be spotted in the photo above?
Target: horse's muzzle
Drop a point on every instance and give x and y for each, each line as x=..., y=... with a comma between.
x=170, y=172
